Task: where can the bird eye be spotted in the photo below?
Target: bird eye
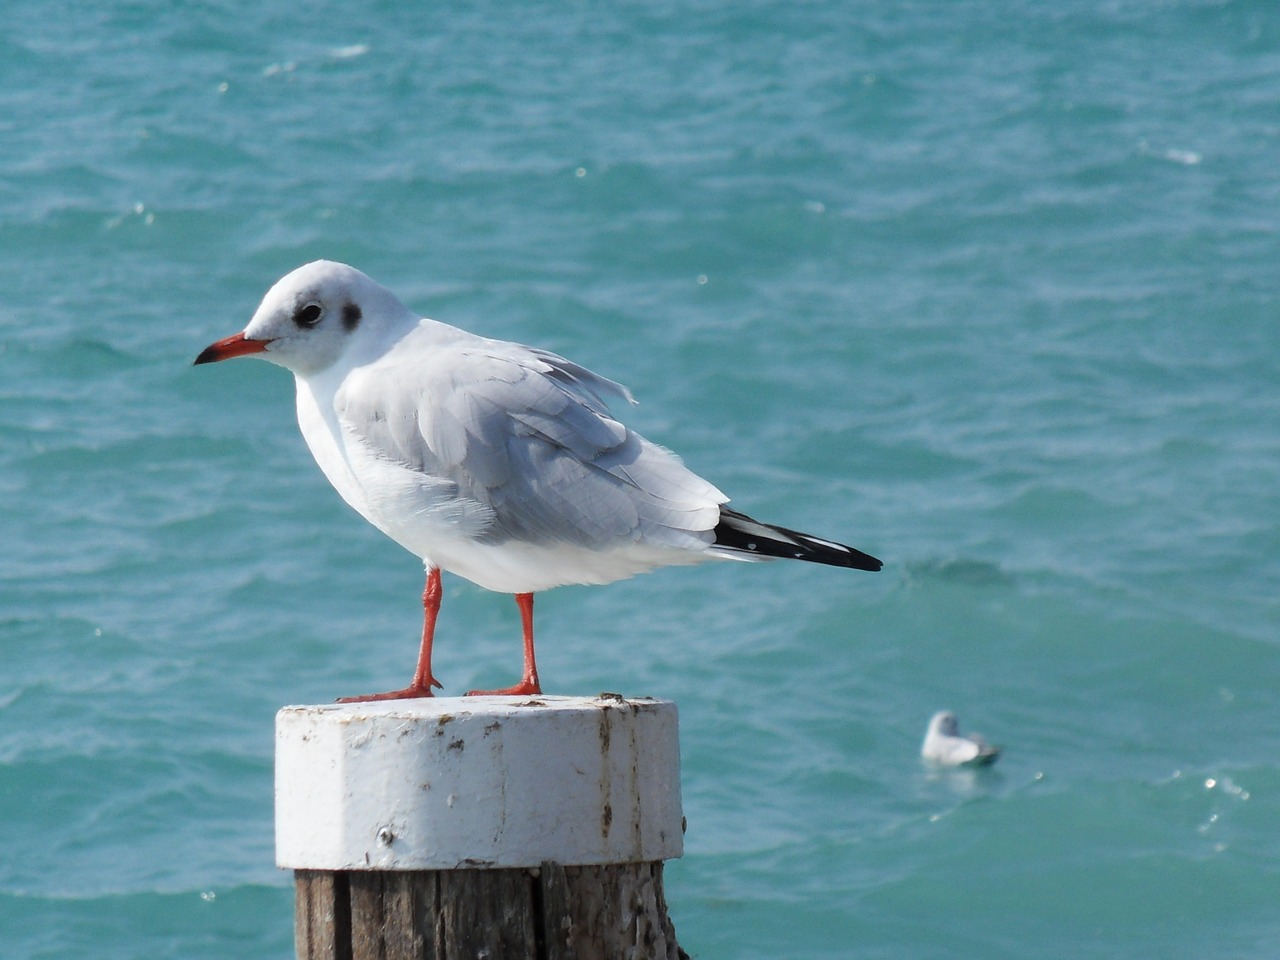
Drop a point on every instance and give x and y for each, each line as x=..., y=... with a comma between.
x=308, y=315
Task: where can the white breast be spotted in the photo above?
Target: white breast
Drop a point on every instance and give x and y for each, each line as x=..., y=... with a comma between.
x=320, y=428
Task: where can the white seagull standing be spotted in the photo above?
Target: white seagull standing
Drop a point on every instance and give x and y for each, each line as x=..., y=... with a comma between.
x=498, y=462
x=947, y=747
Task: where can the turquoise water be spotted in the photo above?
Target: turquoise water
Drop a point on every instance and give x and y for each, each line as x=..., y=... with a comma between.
x=987, y=290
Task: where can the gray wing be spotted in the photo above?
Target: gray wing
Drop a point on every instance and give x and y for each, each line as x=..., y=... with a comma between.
x=527, y=436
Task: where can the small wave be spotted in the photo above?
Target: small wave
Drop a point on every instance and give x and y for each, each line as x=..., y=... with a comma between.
x=960, y=570
x=1179, y=155
x=350, y=51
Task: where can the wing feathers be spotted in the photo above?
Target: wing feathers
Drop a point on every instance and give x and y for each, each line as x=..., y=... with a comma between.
x=527, y=436
x=524, y=441
x=738, y=534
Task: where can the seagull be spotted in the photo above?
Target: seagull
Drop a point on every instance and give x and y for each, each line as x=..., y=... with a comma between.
x=945, y=746
x=497, y=462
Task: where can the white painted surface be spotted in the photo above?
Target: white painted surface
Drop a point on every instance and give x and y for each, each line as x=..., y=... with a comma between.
x=458, y=782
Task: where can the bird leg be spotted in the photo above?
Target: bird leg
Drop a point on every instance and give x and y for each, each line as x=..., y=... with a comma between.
x=529, y=682
x=423, y=681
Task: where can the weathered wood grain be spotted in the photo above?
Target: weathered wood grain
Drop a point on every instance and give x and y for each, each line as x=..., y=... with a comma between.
x=608, y=912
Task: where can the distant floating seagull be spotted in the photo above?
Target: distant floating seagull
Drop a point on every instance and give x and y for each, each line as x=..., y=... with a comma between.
x=947, y=747
x=495, y=461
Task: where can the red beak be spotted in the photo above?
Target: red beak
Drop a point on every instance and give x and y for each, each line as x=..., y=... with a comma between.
x=233, y=346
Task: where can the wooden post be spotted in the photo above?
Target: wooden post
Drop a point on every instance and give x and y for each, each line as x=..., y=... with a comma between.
x=480, y=827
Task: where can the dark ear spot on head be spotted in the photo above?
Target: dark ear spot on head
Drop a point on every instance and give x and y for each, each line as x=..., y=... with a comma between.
x=351, y=316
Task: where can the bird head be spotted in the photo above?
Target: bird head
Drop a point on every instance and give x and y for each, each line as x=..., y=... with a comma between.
x=945, y=723
x=313, y=317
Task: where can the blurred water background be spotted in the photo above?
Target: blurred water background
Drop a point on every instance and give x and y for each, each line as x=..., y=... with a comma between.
x=987, y=290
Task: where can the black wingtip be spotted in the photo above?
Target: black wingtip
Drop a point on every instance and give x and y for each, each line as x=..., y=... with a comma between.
x=741, y=534
x=867, y=562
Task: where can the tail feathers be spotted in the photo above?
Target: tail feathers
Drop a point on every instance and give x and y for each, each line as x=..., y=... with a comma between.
x=739, y=534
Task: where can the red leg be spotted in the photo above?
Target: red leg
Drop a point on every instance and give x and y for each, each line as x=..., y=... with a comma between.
x=529, y=682
x=423, y=681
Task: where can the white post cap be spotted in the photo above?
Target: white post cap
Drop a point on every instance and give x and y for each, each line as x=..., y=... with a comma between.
x=471, y=782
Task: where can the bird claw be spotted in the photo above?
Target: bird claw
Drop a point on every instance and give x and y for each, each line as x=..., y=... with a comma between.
x=522, y=689
x=408, y=693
